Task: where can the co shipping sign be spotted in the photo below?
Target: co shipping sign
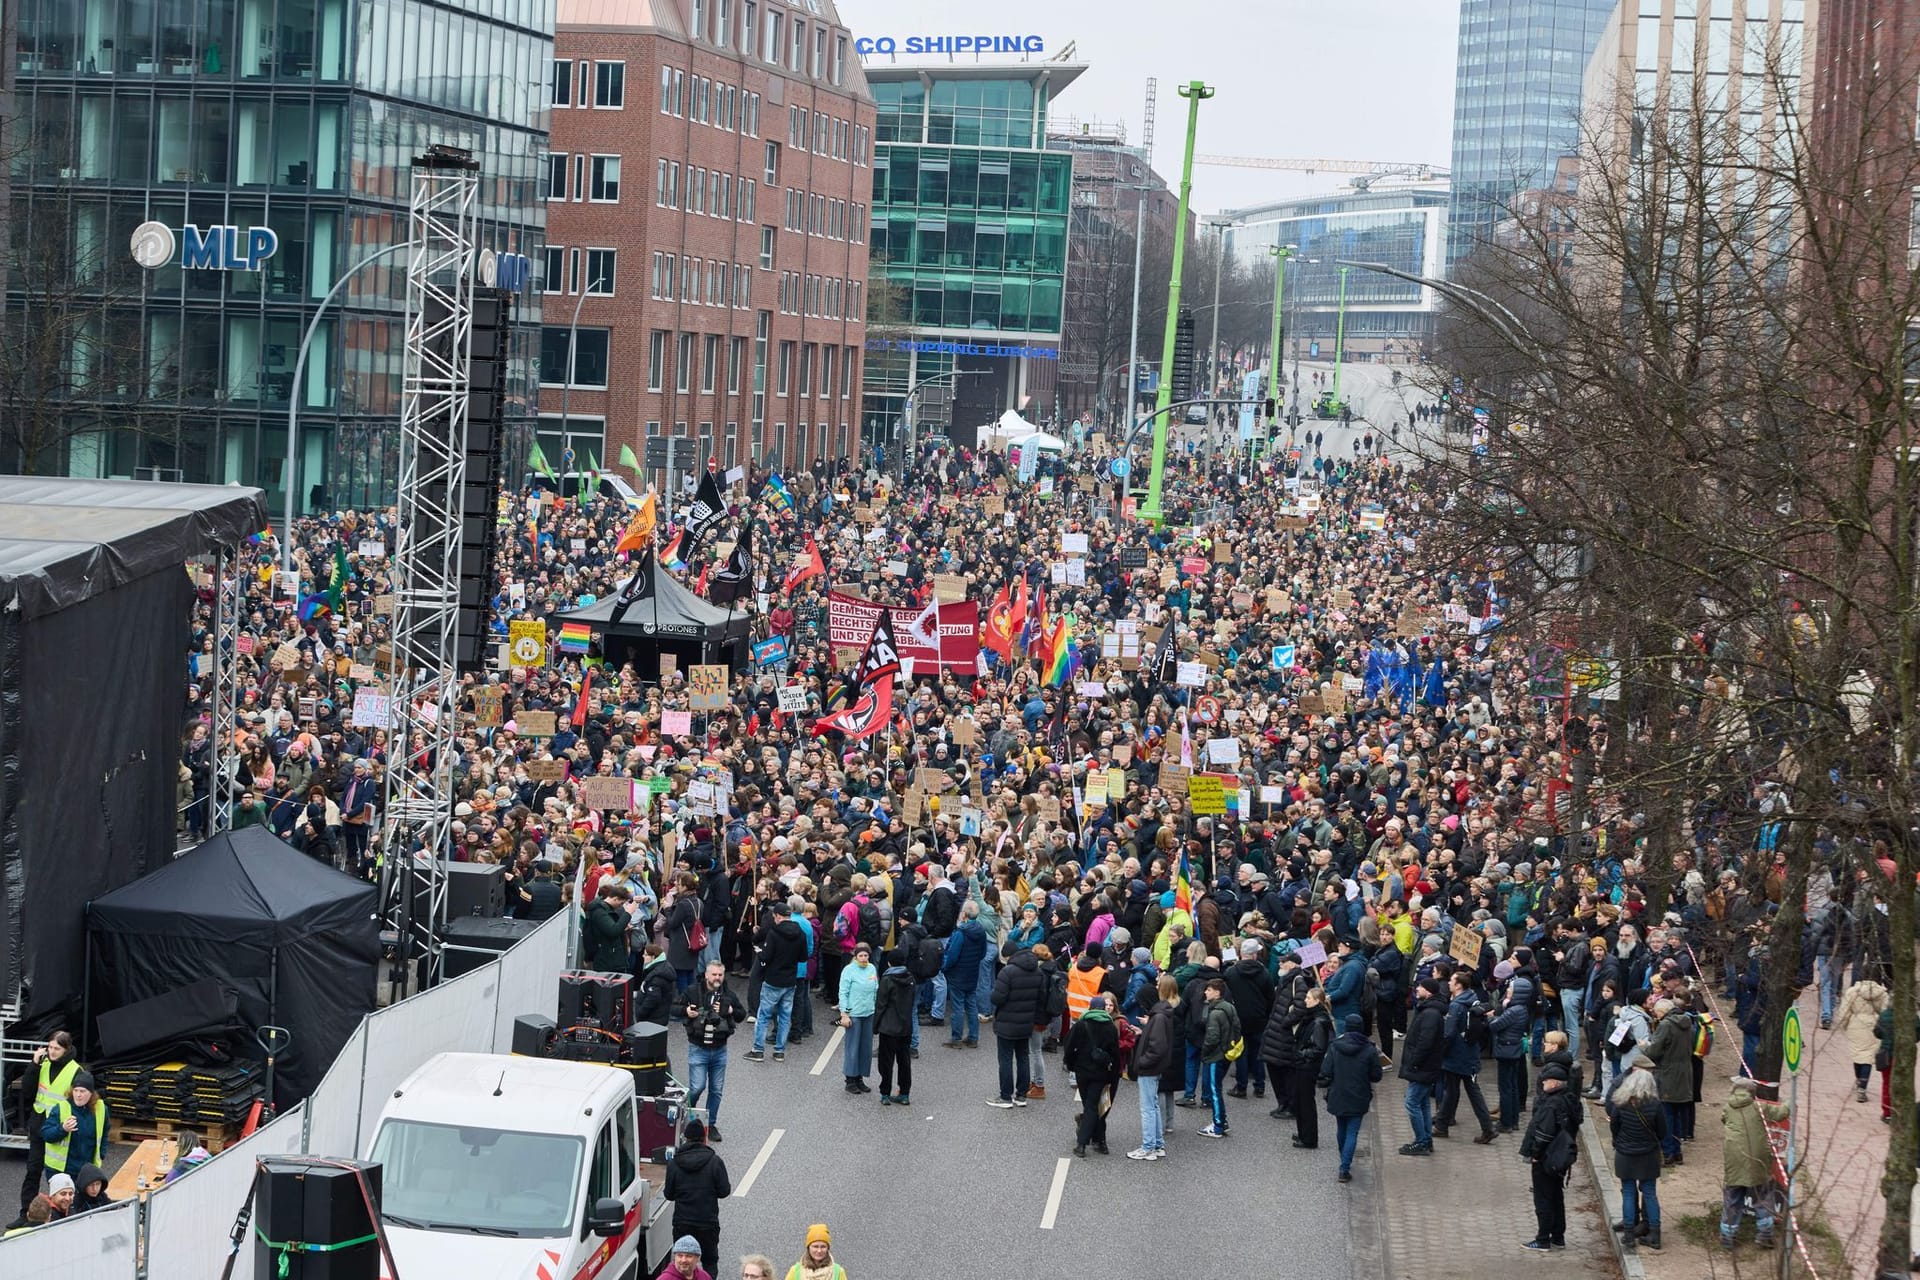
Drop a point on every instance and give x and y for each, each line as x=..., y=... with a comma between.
x=983, y=43
x=220, y=248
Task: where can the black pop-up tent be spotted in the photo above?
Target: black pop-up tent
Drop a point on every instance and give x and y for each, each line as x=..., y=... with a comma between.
x=666, y=617
x=293, y=938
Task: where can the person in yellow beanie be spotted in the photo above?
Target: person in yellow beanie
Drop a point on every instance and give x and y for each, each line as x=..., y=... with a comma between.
x=817, y=1262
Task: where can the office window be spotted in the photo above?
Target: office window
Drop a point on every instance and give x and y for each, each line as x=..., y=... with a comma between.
x=767, y=237
x=776, y=29
x=748, y=8
x=742, y=286
x=806, y=369
x=610, y=84
x=606, y=179
x=697, y=28
x=660, y=183
x=753, y=115
x=736, y=356
x=785, y=380
x=690, y=281
x=581, y=80
x=557, y=175
x=600, y=268
x=659, y=273
x=679, y=93
x=589, y=363
x=683, y=363
x=666, y=91
x=710, y=362
x=562, y=93
x=673, y=184
x=573, y=271
x=657, y=362
x=723, y=23
x=748, y=189
x=839, y=58
x=826, y=370
x=797, y=51
x=550, y=267
x=579, y=177
x=846, y=374
x=725, y=207
x=696, y=189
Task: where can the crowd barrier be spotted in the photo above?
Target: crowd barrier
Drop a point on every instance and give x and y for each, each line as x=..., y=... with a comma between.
x=181, y=1231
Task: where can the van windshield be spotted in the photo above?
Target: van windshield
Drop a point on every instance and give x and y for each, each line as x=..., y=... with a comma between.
x=463, y=1178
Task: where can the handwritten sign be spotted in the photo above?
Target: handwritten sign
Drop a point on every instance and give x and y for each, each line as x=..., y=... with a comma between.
x=607, y=793
x=361, y=672
x=1206, y=795
x=535, y=724
x=1174, y=779
x=286, y=657
x=1464, y=946
x=527, y=642
x=547, y=770
x=707, y=687
x=489, y=707
x=1048, y=809
x=676, y=724
x=1312, y=953
x=372, y=709
x=793, y=698
x=1191, y=674
x=949, y=588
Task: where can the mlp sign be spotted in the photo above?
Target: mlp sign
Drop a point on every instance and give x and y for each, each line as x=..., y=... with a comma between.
x=221, y=248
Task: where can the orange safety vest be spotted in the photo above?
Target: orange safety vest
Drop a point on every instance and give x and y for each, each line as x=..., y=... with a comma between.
x=1082, y=986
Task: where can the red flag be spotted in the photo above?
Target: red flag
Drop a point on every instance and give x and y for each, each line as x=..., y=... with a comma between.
x=812, y=567
x=997, y=632
x=579, y=716
x=864, y=718
x=1017, y=619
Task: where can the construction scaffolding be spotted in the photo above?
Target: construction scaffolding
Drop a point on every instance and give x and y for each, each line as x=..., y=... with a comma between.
x=422, y=679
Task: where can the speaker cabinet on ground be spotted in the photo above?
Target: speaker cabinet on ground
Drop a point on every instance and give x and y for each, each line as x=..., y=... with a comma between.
x=312, y=1219
x=474, y=940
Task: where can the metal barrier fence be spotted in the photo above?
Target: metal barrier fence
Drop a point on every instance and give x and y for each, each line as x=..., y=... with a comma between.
x=180, y=1231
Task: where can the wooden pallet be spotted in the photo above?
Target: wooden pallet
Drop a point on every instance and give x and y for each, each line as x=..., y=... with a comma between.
x=217, y=1136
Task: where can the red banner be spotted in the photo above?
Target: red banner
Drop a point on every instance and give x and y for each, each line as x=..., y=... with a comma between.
x=850, y=625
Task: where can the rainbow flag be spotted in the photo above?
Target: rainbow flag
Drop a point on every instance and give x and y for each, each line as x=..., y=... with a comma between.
x=575, y=637
x=1183, y=886
x=1056, y=654
x=778, y=493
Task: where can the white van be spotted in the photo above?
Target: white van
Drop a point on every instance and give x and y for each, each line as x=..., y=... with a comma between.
x=510, y=1168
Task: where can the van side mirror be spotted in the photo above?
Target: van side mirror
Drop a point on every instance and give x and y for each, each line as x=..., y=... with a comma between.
x=607, y=1217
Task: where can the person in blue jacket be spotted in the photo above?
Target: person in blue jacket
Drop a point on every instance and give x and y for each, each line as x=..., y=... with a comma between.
x=75, y=1129
x=1344, y=988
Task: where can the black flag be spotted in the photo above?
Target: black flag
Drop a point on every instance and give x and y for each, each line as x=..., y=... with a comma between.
x=635, y=589
x=882, y=659
x=734, y=579
x=1163, y=655
x=708, y=507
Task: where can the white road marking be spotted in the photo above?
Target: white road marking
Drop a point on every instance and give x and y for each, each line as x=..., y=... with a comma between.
x=827, y=1050
x=1054, y=1193
x=759, y=1163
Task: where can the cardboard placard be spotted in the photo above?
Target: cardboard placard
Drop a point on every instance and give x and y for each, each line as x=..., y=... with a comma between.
x=793, y=698
x=489, y=706
x=1464, y=946
x=846, y=657
x=914, y=808
x=1174, y=779
x=294, y=676
x=286, y=657
x=361, y=672
x=1049, y=809
x=707, y=687
x=534, y=724
x=992, y=505
x=965, y=732
x=668, y=665
x=934, y=782
x=949, y=588
x=383, y=606
x=676, y=724
x=547, y=770
x=607, y=793
x=1222, y=553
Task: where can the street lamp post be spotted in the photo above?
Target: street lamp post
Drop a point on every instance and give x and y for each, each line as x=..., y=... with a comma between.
x=1133, y=337
x=295, y=394
x=1195, y=92
x=573, y=360
x=1340, y=336
x=1213, y=343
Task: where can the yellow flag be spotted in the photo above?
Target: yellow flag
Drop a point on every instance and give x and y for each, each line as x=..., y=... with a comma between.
x=639, y=533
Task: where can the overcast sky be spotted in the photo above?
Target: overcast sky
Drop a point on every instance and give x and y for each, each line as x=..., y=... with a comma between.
x=1314, y=79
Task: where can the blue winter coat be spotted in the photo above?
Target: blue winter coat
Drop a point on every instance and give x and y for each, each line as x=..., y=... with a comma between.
x=966, y=947
x=1462, y=1057
x=1345, y=986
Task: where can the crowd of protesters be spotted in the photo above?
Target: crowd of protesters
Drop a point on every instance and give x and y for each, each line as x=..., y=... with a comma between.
x=1394, y=891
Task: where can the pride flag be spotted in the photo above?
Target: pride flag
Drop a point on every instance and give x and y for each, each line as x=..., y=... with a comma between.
x=778, y=493
x=575, y=637
x=1183, y=885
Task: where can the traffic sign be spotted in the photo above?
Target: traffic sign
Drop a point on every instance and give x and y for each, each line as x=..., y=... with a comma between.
x=1792, y=1041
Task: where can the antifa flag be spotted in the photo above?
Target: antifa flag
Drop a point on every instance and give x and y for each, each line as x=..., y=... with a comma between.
x=636, y=588
x=864, y=718
x=734, y=579
x=1163, y=655
x=708, y=508
x=882, y=659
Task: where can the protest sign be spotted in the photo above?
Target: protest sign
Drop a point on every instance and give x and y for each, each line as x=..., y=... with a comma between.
x=707, y=687
x=676, y=724
x=534, y=724
x=607, y=793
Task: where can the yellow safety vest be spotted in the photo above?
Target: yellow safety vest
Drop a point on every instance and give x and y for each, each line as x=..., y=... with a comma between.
x=57, y=1151
x=51, y=1091
x=1082, y=986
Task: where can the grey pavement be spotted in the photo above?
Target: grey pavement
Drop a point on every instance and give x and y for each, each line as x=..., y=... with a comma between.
x=1468, y=1209
x=911, y=1192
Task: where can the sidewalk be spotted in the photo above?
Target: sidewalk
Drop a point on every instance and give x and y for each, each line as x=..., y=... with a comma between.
x=1843, y=1161
x=1466, y=1210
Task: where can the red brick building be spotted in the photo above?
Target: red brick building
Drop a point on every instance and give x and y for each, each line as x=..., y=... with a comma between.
x=708, y=192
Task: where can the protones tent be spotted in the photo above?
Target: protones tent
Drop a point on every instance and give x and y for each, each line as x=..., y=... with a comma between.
x=295, y=939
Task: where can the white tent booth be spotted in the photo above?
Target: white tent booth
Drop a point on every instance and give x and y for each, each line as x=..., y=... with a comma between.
x=1012, y=429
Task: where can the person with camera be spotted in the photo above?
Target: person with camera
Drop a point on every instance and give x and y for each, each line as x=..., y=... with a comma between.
x=713, y=1011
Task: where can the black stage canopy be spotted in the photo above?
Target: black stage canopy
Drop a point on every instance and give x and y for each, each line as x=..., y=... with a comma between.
x=667, y=619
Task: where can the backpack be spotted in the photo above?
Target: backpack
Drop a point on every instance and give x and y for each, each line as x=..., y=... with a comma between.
x=1370, y=991
x=870, y=929
x=928, y=959
x=1056, y=1001
x=696, y=935
x=1558, y=1157
x=1702, y=1034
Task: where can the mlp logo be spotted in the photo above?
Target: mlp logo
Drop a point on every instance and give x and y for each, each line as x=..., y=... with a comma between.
x=220, y=248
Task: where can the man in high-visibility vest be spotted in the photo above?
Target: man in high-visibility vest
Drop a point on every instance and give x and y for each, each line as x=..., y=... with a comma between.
x=53, y=1070
x=1083, y=983
x=76, y=1129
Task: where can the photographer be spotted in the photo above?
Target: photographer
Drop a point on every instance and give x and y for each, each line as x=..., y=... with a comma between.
x=713, y=1011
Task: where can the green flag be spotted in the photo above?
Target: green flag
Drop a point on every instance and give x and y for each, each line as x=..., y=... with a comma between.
x=627, y=459
x=538, y=461
x=337, y=586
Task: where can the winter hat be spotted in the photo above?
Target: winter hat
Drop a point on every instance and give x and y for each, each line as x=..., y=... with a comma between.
x=818, y=1234
x=1554, y=1071
x=84, y=1080
x=1355, y=1024
x=1503, y=971
x=1249, y=949
x=57, y=1183
x=1166, y=901
x=695, y=1130
x=1142, y=956
x=687, y=1244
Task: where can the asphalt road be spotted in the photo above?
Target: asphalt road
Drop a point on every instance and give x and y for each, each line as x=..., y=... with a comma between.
x=951, y=1183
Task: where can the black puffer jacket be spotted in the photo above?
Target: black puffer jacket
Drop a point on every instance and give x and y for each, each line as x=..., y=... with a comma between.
x=1018, y=994
x=1426, y=1046
x=1276, y=1041
x=893, y=1003
x=1252, y=992
x=1354, y=1065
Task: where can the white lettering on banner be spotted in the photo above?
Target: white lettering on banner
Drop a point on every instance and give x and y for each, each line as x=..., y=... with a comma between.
x=850, y=626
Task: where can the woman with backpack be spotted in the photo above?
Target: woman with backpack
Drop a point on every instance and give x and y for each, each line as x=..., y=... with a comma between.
x=1639, y=1126
x=1159, y=1064
x=685, y=936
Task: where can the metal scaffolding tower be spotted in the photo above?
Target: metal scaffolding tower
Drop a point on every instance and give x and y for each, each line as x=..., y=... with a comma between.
x=227, y=588
x=424, y=686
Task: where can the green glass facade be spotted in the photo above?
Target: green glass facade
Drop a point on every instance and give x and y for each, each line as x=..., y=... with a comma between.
x=969, y=223
x=302, y=116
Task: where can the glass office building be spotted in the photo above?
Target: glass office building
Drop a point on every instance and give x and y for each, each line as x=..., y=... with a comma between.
x=299, y=116
x=969, y=238
x=1399, y=223
x=1516, y=104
